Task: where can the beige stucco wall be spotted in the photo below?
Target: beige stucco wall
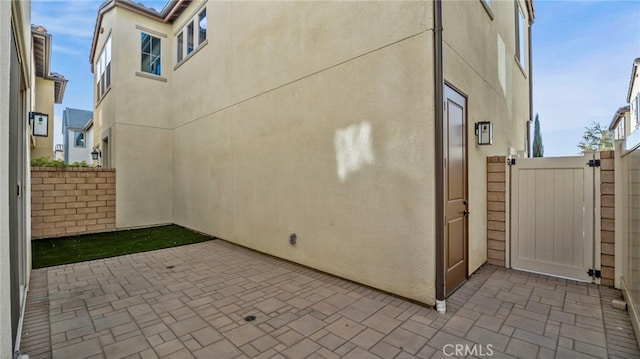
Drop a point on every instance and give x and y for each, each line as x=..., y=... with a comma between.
x=137, y=111
x=14, y=16
x=479, y=61
x=257, y=160
x=315, y=118
x=44, y=96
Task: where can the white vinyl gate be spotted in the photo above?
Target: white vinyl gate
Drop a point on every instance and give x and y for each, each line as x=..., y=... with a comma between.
x=554, y=203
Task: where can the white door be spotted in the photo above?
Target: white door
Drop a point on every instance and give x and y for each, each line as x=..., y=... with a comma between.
x=553, y=204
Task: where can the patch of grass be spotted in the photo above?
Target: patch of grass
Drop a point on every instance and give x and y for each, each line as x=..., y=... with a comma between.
x=55, y=251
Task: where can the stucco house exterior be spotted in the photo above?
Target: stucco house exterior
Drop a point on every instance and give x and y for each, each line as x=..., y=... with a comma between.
x=49, y=89
x=17, y=81
x=633, y=95
x=621, y=123
x=349, y=124
x=77, y=131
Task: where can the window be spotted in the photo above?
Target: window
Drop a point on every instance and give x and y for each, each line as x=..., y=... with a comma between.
x=637, y=109
x=520, y=34
x=189, y=38
x=202, y=26
x=79, y=139
x=103, y=70
x=180, y=45
x=150, y=49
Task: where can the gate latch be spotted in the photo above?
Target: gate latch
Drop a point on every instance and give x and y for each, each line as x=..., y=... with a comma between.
x=594, y=163
x=594, y=273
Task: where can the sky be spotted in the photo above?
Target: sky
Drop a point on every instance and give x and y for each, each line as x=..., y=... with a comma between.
x=582, y=57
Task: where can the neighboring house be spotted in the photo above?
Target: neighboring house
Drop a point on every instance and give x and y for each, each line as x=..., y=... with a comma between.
x=633, y=96
x=350, y=124
x=17, y=81
x=621, y=124
x=77, y=129
x=49, y=89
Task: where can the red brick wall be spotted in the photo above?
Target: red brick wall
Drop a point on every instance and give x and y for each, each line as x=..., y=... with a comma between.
x=496, y=210
x=71, y=201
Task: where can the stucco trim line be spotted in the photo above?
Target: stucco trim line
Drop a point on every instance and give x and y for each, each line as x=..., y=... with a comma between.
x=487, y=8
x=150, y=31
x=150, y=76
x=203, y=44
x=278, y=87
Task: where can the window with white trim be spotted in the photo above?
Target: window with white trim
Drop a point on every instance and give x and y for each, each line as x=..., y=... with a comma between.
x=103, y=70
x=637, y=109
x=202, y=26
x=180, y=51
x=79, y=139
x=192, y=35
x=520, y=36
x=150, y=54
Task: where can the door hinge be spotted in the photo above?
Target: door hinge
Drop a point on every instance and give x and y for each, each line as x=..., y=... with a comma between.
x=594, y=163
x=594, y=273
x=511, y=162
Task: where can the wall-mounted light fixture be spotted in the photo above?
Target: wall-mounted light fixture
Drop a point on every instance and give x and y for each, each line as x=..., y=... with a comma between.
x=39, y=124
x=484, y=132
x=96, y=153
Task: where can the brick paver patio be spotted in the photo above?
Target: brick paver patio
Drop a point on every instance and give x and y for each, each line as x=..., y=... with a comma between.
x=192, y=301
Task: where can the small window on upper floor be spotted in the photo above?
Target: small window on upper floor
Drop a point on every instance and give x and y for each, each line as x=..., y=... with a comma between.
x=79, y=139
x=202, y=26
x=103, y=70
x=637, y=109
x=191, y=37
x=521, y=55
x=180, y=47
x=150, y=54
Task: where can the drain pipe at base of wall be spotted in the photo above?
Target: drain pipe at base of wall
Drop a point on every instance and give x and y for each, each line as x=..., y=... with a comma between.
x=441, y=305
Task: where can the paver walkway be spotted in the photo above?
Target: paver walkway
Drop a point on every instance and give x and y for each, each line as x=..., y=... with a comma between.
x=192, y=301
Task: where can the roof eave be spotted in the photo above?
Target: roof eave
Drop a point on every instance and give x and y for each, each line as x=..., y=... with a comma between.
x=60, y=86
x=168, y=14
x=634, y=70
x=532, y=15
x=46, y=51
x=617, y=116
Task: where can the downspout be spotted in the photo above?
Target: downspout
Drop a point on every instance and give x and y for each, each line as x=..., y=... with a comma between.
x=439, y=156
x=529, y=141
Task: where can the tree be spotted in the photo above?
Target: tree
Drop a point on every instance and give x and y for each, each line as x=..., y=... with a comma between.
x=538, y=148
x=596, y=138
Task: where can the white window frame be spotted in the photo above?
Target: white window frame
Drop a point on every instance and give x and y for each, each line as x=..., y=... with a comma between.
x=202, y=29
x=191, y=34
x=103, y=70
x=75, y=139
x=520, y=32
x=637, y=109
x=142, y=53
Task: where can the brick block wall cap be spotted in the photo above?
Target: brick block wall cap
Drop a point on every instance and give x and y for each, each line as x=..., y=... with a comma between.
x=72, y=169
